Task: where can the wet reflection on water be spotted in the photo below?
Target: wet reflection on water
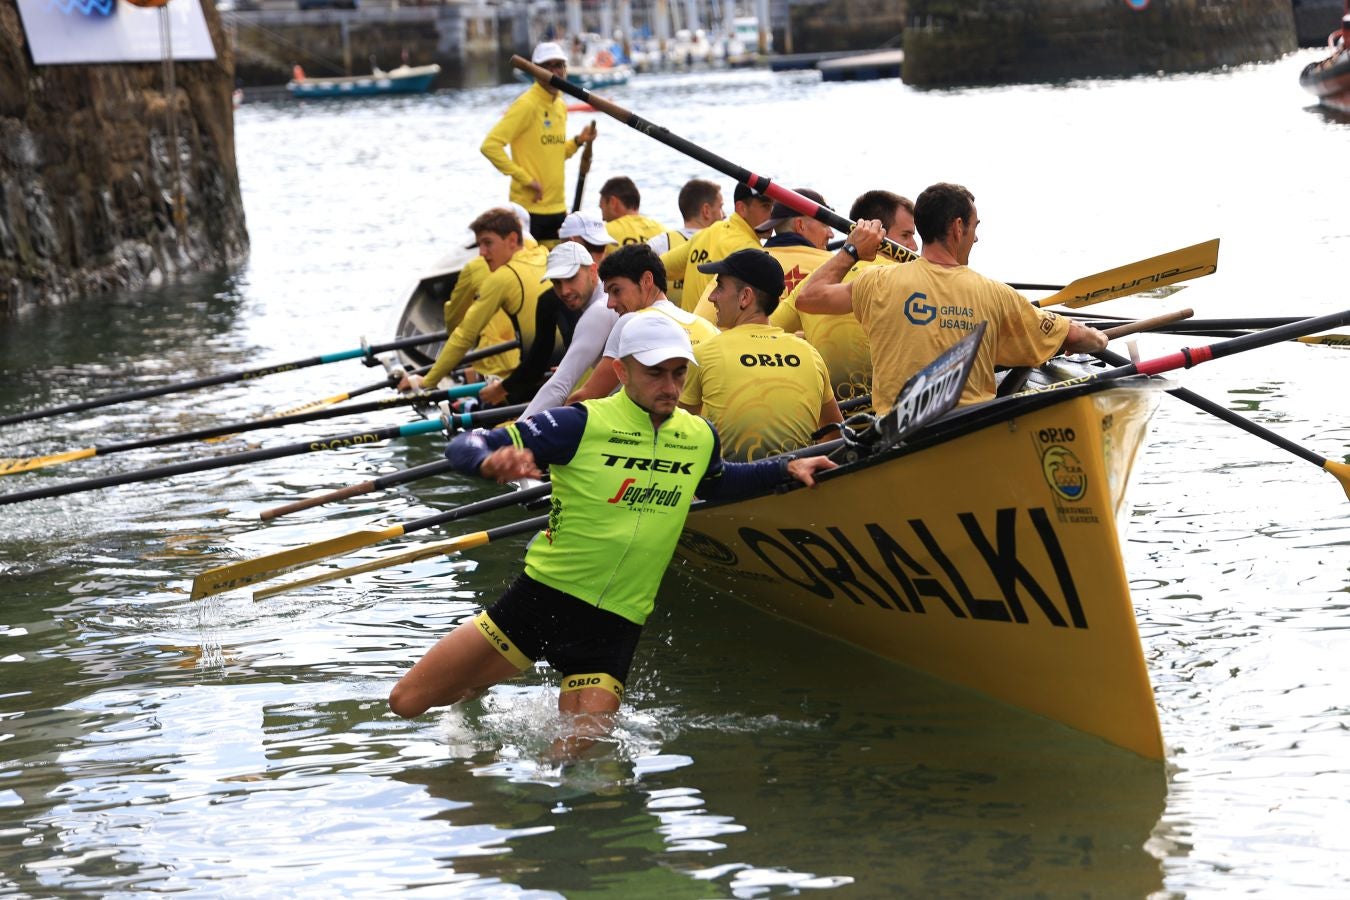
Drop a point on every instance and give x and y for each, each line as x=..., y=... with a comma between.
x=232, y=748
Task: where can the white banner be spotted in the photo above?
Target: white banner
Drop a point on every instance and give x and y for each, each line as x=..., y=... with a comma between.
x=62, y=32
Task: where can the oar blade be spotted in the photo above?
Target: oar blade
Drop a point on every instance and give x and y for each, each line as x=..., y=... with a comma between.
x=28, y=464
x=439, y=548
x=1342, y=474
x=1331, y=340
x=1147, y=274
x=250, y=571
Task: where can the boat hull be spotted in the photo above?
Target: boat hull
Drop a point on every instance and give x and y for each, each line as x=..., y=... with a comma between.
x=416, y=80
x=1329, y=81
x=991, y=559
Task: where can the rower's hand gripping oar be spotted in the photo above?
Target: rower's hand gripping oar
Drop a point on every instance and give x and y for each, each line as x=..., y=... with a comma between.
x=1339, y=471
x=250, y=571
x=1179, y=265
x=224, y=378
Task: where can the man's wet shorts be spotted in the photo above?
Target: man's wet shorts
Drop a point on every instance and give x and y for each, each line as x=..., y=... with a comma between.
x=537, y=622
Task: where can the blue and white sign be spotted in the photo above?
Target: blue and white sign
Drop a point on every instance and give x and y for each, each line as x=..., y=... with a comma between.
x=67, y=32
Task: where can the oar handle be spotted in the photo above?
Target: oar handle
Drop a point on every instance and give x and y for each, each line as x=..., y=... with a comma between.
x=803, y=205
x=425, y=470
x=1147, y=324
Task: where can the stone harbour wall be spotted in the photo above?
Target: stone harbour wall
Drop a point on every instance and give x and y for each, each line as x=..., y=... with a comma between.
x=89, y=189
x=953, y=42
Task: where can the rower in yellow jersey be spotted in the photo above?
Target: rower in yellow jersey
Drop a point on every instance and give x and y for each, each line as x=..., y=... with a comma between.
x=620, y=202
x=512, y=288
x=635, y=282
x=766, y=391
x=841, y=339
x=717, y=242
x=700, y=203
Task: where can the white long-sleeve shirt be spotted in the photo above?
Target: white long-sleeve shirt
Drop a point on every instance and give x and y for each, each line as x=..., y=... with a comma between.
x=586, y=349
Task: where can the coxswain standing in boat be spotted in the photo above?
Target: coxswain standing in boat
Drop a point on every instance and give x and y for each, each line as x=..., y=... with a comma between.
x=512, y=289
x=624, y=470
x=717, y=241
x=535, y=130
x=635, y=281
x=766, y=391
x=700, y=203
x=560, y=315
x=620, y=207
x=912, y=312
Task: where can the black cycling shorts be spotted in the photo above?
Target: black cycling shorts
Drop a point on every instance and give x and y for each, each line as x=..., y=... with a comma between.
x=573, y=636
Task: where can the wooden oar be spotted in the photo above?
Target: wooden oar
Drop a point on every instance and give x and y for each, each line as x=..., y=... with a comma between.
x=224, y=378
x=438, y=548
x=1339, y=471
x=1179, y=265
x=1153, y=324
x=354, y=439
x=250, y=571
x=11, y=466
x=582, y=171
x=426, y=470
x=1234, y=327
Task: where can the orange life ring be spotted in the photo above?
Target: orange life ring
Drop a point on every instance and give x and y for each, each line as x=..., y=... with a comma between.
x=604, y=59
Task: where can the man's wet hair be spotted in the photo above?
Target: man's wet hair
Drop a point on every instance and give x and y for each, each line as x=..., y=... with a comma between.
x=622, y=186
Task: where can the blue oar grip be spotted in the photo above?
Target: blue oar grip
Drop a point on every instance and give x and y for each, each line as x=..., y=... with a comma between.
x=344, y=354
x=425, y=427
x=466, y=390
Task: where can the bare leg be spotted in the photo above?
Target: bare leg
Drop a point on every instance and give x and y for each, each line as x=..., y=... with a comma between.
x=590, y=712
x=461, y=666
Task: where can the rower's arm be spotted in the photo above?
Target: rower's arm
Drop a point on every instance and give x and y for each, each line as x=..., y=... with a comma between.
x=830, y=414
x=602, y=382
x=505, y=131
x=824, y=291
x=1083, y=339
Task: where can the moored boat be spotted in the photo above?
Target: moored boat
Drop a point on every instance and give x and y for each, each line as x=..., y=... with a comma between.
x=1329, y=79
x=402, y=80
x=986, y=553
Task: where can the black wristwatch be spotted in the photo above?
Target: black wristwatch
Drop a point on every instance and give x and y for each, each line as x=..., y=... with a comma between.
x=851, y=251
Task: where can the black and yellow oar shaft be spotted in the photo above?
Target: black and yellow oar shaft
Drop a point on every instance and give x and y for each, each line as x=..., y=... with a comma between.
x=426, y=551
x=1190, y=262
x=251, y=571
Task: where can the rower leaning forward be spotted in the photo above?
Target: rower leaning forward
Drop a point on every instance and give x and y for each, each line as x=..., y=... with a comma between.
x=625, y=470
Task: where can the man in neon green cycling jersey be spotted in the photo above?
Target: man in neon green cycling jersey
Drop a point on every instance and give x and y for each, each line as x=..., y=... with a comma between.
x=625, y=470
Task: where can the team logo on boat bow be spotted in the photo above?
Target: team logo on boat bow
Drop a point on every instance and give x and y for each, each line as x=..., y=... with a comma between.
x=1063, y=472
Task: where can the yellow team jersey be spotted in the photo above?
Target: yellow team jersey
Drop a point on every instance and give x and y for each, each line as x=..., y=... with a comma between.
x=633, y=229
x=718, y=241
x=761, y=387
x=511, y=292
x=839, y=338
x=535, y=128
x=470, y=279
x=912, y=312
x=676, y=259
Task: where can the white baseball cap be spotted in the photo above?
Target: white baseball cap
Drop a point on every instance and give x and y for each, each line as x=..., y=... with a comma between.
x=652, y=338
x=587, y=225
x=566, y=259
x=548, y=51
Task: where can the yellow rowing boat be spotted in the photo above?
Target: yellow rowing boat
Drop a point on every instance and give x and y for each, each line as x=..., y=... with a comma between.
x=987, y=554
